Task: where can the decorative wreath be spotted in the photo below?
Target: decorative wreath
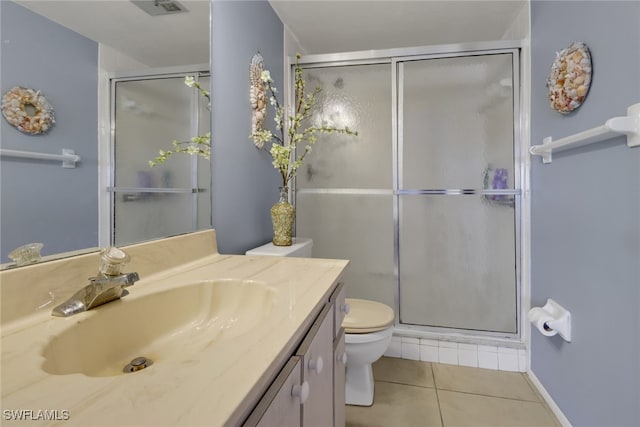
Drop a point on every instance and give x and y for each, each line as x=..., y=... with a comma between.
x=15, y=108
x=570, y=78
x=257, y=95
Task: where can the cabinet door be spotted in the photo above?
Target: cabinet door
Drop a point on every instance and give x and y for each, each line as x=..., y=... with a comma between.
x=341, y=308
x=317, y=353
x=281, y=404
x=339, y=372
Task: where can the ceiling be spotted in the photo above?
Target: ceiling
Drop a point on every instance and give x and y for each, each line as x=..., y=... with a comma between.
x=320, y=26
x=352, y=25
x=157, y=41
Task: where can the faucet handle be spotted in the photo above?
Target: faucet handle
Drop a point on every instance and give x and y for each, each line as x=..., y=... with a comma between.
x=112, y=260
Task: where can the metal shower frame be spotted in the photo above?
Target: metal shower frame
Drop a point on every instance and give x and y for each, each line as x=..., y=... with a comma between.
x=394, y=57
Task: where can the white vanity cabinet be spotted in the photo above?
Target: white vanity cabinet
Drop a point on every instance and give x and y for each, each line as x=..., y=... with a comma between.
x=340, y=310
x=339, y=376
x=309, y=390
x=317, y=353
x=281, y=404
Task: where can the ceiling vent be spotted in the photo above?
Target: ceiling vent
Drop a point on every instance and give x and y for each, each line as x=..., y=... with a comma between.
x=160, y=7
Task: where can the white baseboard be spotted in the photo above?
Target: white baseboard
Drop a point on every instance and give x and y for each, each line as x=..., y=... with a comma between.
x=547, y=398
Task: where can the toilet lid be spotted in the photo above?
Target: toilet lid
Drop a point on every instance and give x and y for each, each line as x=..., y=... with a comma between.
x=367, y=316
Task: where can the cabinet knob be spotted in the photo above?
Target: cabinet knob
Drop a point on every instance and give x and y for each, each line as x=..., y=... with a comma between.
x=345, y=308
x=316, y=365
x=342, y=358
x=301, y=391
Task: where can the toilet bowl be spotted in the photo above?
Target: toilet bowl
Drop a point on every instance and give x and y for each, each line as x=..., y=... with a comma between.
x=368, y=330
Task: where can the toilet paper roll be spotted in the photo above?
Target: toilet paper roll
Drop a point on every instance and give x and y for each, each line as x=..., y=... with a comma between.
x=539, y=317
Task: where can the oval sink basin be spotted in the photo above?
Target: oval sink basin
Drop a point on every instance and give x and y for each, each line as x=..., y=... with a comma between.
x=165, y=325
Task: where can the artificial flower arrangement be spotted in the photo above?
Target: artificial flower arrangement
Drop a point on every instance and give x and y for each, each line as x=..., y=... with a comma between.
x=197, y=145
x=291, y=128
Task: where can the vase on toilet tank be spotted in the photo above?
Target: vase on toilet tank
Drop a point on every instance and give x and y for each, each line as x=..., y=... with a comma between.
x=283, y=215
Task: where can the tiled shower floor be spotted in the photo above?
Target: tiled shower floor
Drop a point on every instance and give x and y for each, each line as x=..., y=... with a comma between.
x=413, y=393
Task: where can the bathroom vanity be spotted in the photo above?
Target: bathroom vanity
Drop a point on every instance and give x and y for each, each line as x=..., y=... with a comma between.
x=309, y=391
x=234, y=340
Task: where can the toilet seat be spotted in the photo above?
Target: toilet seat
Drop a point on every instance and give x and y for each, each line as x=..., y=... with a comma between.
x=367, y=316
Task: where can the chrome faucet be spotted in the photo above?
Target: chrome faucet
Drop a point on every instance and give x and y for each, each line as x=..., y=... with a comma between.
x=109, y=285
x=101, y=290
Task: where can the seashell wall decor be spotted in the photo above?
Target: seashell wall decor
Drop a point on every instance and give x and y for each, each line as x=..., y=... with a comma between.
x=257, y=94
x=27, y=110
x=570, y=78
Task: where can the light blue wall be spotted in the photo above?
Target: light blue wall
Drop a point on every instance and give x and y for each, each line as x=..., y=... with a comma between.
x=586, y=218
x=41, y=201
x=245, y=184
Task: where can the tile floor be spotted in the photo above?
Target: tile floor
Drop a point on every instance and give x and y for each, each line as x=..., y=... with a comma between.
x=413, y=393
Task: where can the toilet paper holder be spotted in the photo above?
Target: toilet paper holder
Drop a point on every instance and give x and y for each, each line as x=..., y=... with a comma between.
x=559, y=319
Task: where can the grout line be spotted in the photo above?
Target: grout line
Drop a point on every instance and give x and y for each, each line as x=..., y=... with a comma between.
x=403, y=384
x=433, y=374
x=435, y=386
x=490, y=395
x=439, y=408
x=399, y=383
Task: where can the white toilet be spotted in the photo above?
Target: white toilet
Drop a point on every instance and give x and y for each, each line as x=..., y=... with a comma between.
x=368, y=329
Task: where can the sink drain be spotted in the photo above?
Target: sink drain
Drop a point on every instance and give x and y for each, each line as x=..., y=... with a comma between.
x=137, y=364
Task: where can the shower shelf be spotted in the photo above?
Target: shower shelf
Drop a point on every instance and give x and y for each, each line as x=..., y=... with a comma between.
x=628, y=125
x=68, y=156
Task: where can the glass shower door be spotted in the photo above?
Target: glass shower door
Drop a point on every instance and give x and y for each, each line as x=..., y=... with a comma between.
x=172, y=198
x=458, y=193
x=344, y=191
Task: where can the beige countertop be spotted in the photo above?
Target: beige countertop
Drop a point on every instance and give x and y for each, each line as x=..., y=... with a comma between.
x=212, y=387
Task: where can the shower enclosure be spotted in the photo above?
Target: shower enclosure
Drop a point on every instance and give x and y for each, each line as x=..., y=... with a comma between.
x=149, y=112
x=425, y=202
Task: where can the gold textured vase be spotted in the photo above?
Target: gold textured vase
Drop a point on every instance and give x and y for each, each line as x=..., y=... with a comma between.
x=282, y=216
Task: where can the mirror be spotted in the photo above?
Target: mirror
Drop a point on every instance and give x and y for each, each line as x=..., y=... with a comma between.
x=67, y=50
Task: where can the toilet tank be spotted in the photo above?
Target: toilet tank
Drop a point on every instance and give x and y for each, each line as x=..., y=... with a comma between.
x=301, y=248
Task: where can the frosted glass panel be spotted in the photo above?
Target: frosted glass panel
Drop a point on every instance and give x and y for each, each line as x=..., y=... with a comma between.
x=149, y=115
x=457, y=265
x=354, y=227
x=150, y=214
x=358, y=97
x=203, y=165
x=456, y=122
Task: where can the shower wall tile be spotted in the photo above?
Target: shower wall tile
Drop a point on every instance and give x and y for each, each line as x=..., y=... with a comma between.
x=410, y=350
x=448, y=355
x=522, y=360
x=395, y=348
x=488, y=348
x=448, y=344
x=429, y=353
x=468, y=355
x=462, y=354
x=487, y=360
x=508, y=361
